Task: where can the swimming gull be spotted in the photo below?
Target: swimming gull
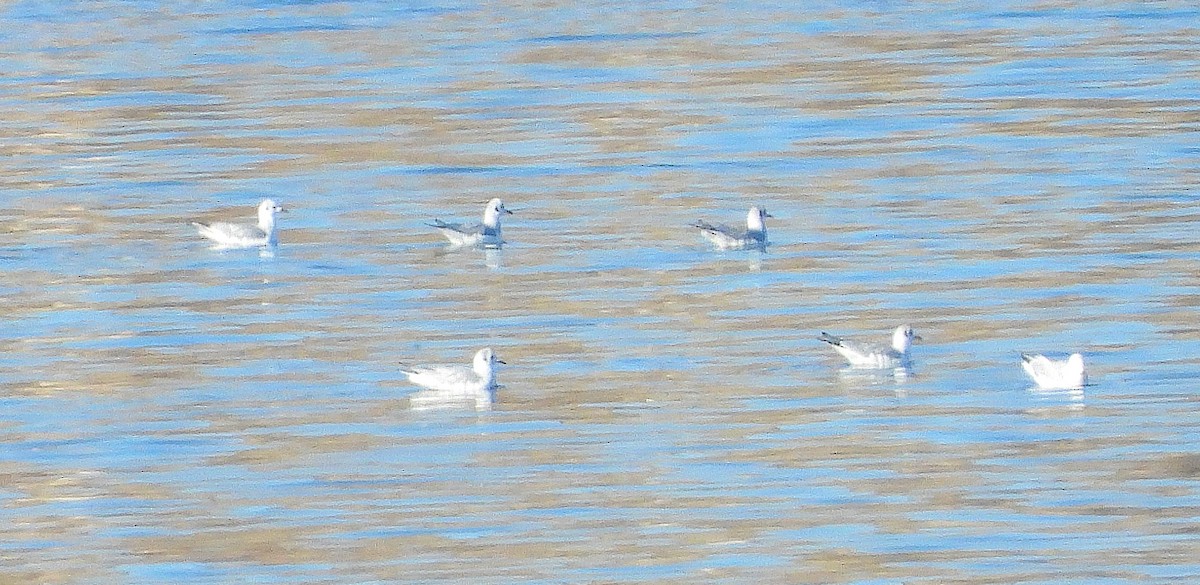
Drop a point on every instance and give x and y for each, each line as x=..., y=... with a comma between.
x=476, y=381
x=1048, y=374
x=728, y=238
x=485, y=235
x=864, y=355
x=240, y=235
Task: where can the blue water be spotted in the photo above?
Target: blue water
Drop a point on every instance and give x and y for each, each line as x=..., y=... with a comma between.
x=1005, y=177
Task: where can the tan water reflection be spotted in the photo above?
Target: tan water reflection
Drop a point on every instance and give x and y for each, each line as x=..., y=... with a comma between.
x=1008, y=178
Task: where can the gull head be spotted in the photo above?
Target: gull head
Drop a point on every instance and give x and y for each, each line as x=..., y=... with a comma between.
x=491, y=213
x=266, y=215
x=485, y=362
x=756, y=219
x=903, y=337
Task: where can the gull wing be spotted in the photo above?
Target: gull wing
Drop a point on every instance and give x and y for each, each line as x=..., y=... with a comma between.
x=1039, y=367
x=863, y=354
x=441, y=377
x=226, y=232
x=457, y=227
x=720, y=229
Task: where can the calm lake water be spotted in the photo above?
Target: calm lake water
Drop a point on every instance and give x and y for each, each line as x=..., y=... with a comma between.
x=1005, y=176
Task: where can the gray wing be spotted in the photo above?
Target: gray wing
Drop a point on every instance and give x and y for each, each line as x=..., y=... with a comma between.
x=1039, y=366
x=233, y=230
x=457, y=227
x=722, y=229
x=830, y=339
x=441, y=375
x=859, y=347
x=419, y=370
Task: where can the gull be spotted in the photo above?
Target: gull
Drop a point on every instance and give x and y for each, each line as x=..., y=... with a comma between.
x=727, y=238
x=862, y=355
x=486, y=234
x=477, y=382
x=1068, y=374
x=239, y=235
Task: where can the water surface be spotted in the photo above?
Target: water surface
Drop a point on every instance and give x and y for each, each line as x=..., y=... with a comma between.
x=1006, y=177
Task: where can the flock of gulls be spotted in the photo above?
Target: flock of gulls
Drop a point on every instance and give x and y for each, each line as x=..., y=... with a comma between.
x=477, y=383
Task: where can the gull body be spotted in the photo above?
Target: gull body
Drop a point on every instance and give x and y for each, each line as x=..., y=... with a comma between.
x=1048, y=374
x=729, y=238
x=485, y=235
x=865, y=355
x=239, y=235
x=476, y=381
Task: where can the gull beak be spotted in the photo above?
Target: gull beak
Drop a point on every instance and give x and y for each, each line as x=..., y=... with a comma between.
x=500, y=361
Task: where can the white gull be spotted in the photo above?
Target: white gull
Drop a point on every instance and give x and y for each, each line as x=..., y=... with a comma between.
x=1048, y=374
x=239, y=235
x=485, y=235
x=477, y=382
x=728, y=238
x=864, y=355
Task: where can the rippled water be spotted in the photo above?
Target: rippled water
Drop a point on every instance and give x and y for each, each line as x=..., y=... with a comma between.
x=1005, y=176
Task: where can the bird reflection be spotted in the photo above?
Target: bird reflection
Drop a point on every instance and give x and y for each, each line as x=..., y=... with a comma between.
x=450, y=400
x=493, y=258
x=1071, y=397
x=895, y=378
x=754, y=260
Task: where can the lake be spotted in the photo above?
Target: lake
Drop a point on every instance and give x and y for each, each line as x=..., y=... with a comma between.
x=1006, y=177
